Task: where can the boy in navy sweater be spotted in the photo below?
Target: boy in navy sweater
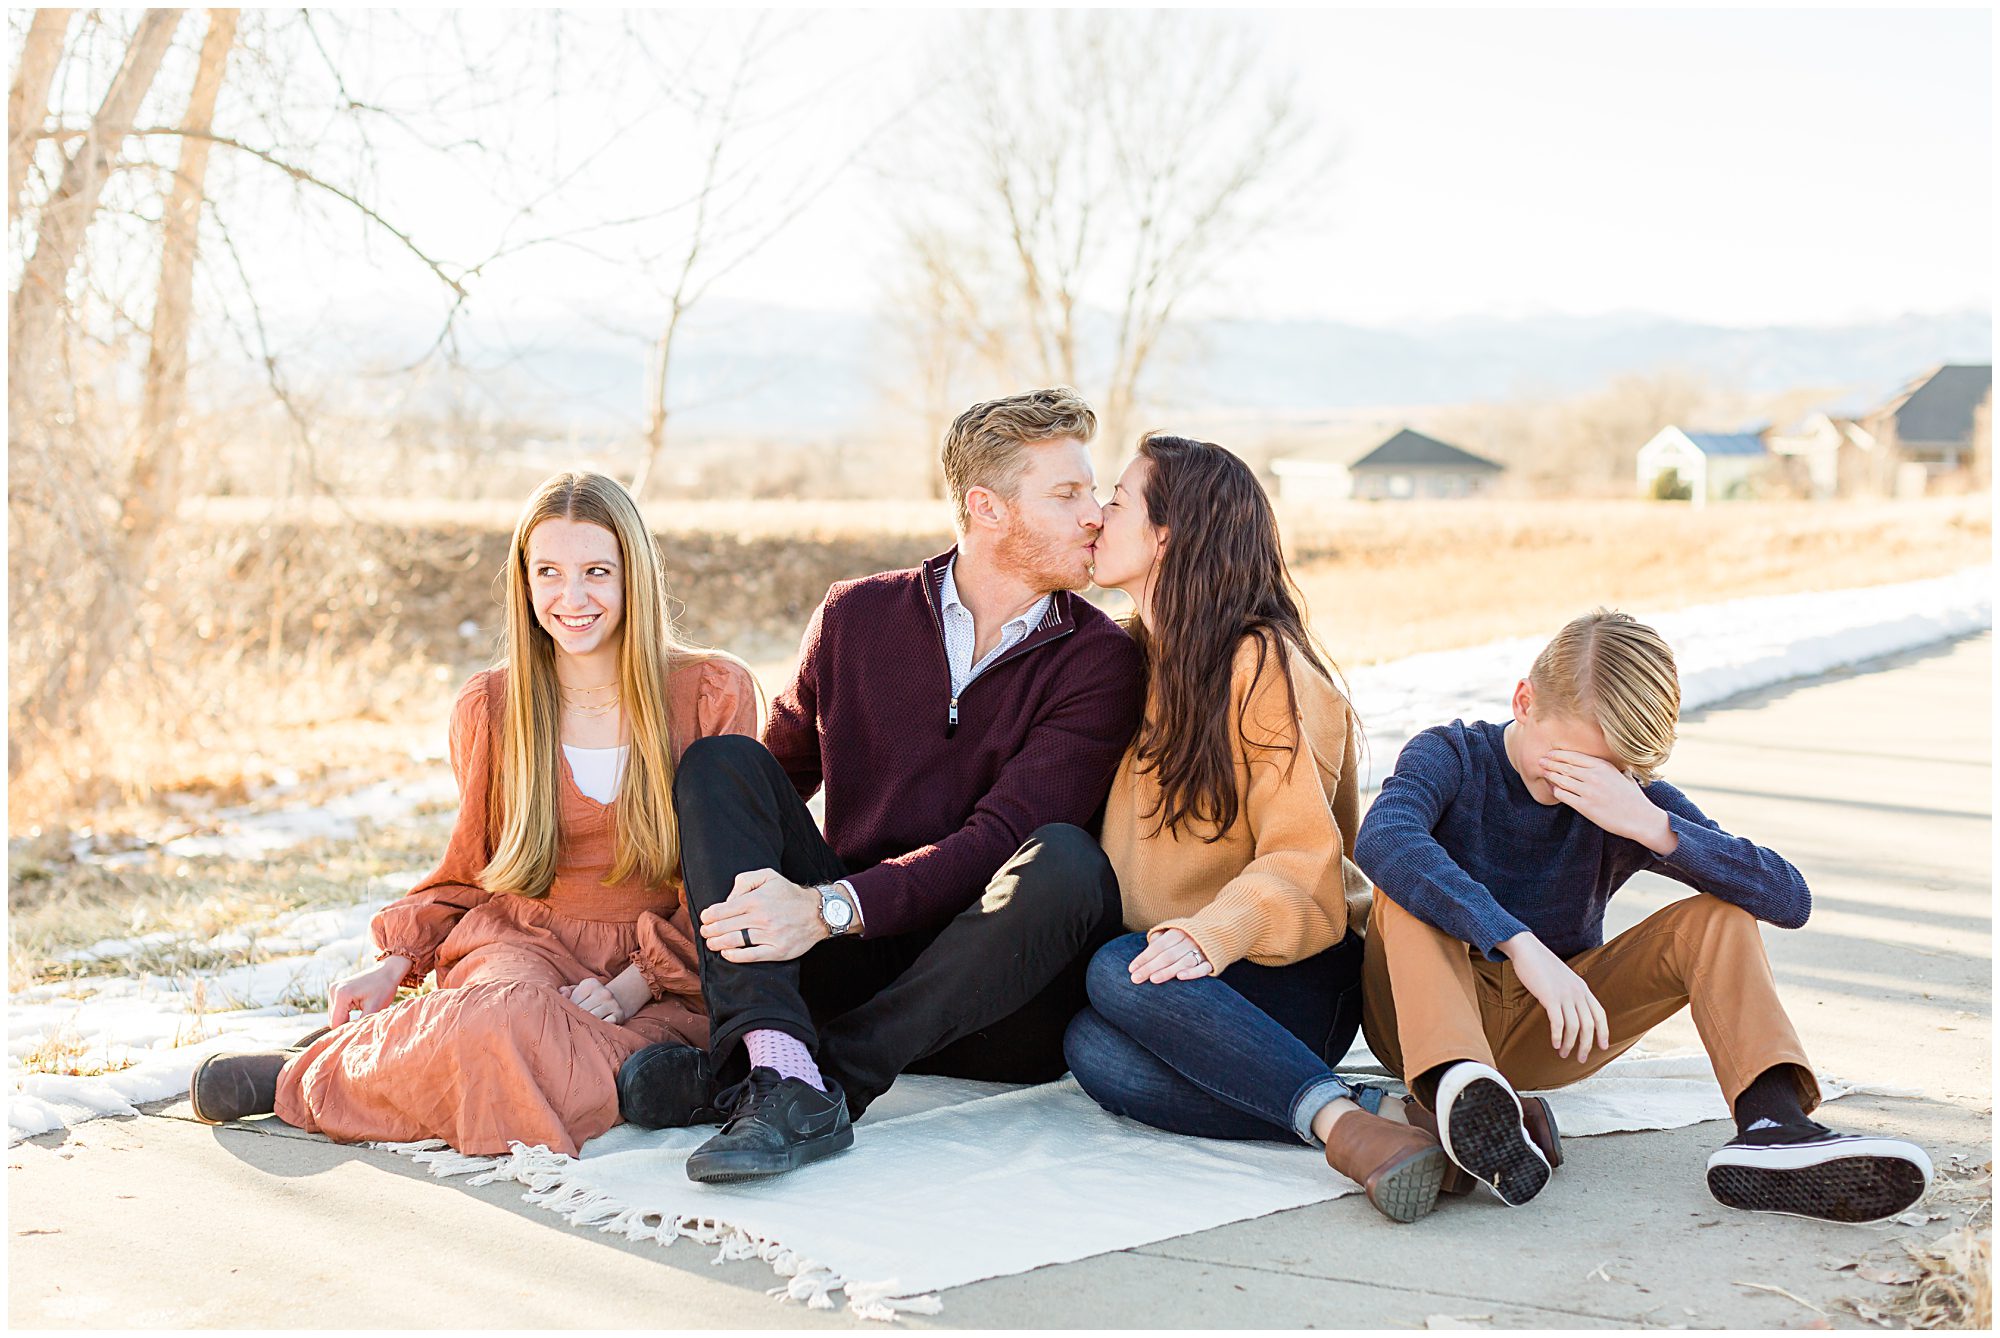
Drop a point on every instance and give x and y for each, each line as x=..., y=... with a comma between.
x=1494, y=850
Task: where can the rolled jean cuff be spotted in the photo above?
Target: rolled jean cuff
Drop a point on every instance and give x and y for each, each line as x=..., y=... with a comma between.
x=1314, y=1099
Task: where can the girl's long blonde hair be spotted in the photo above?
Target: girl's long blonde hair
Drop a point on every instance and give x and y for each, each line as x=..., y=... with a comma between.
x=524, y=787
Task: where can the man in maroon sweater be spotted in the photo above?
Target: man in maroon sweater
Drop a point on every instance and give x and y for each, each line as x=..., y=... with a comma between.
x=964, y=719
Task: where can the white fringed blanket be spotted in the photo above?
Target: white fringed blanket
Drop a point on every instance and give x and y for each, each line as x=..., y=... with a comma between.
x=950, y=1182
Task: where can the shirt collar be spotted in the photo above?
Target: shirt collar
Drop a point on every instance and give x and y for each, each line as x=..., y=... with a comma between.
x=948, y=599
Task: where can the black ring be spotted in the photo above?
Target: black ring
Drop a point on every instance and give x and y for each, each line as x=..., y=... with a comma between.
x=746, y=939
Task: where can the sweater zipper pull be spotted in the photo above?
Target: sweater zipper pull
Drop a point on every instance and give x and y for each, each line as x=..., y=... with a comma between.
x=951, y=720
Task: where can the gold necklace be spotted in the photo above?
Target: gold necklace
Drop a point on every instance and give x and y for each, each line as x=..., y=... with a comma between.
x=592, y=711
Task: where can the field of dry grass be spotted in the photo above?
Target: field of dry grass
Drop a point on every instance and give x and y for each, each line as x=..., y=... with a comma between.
x=1387, y=581
x=350, y=656
x=403, y=610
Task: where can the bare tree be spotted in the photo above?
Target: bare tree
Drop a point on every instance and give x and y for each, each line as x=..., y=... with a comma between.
x=38, y=302
x=1065, y=221
x=90, y=497
x=744, y=199
x=28, y=99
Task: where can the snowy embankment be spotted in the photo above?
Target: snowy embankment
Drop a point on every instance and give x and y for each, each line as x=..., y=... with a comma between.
x=1720, y=649
x=162, y=1026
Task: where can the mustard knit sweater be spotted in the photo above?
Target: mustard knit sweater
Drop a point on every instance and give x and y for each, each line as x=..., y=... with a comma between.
x=1277, y=887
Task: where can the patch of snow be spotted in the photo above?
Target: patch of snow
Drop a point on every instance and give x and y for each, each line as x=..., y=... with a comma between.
x=151, y=1023
x=1720, y=649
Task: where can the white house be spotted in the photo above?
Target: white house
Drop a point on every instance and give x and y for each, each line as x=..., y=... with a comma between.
x=1836, y=454
x=1712, y=466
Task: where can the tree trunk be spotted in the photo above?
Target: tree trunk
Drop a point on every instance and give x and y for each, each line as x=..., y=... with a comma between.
x=155, y=487
x=39, y=301
x=656, y=403
x=28, y=100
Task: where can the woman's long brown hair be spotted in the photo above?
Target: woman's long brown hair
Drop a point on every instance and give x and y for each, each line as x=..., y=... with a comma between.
x=1222, y=578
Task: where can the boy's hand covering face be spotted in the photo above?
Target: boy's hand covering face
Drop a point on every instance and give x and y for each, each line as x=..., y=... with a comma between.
x=1604, y=794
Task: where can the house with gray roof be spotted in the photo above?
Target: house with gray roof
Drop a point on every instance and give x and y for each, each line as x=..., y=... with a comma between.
x=1940, y=423
x=1407, y=467
x=1701, y=467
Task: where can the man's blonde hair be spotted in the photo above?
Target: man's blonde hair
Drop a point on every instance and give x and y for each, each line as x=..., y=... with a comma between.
x=986, y=446
x=1611, y=668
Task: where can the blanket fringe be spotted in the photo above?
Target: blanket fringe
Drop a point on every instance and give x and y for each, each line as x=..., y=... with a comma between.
x=545, y=1178
x=442, y=1160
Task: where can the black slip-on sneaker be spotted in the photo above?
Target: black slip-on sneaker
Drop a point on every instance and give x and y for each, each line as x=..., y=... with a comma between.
x=775, y=1125
x=1479, y=1123
x=228, y=1087
x=668, y=1086
x=1807, y=1170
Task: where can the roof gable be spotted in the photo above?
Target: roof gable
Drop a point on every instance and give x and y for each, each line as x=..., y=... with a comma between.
x=1409, y=449
x=1942, y=408
x=1727, y=443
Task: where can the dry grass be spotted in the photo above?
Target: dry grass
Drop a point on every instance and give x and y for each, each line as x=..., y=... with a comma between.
x=66, y=1053
x=57, y=904
x=1955, y=1290
x=1387, y=581
x=373, y=649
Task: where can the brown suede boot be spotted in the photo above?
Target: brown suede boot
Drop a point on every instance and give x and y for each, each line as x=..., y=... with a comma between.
x=229, y=1087
x=1399, y=1166
x=1536, y=1117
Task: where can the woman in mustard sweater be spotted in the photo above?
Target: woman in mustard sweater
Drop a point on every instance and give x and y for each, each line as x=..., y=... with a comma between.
x=1222, y=1014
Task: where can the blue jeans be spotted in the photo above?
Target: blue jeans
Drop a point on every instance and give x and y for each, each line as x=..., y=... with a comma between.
x=1247, y=1055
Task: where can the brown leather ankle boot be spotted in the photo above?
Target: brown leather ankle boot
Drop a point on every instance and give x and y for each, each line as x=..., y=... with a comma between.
x=1399, y=1166
x=1536, y=1117
x=230, y=1087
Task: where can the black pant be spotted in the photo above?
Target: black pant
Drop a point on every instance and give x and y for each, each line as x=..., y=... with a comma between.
x=986, y=996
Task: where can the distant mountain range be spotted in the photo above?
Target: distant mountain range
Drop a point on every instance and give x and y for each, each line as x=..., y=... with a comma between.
x=766, y=370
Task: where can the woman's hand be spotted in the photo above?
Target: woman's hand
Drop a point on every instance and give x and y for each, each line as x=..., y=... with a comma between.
x=594, y=997
x=614, y=1000
x=367, y=991
x=1576, y=1019
x=1169, y=956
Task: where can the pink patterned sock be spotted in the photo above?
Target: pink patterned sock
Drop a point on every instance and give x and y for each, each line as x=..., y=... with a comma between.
x=787, y=1054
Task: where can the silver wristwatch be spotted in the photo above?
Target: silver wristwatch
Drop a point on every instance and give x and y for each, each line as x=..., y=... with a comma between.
x=836, y=912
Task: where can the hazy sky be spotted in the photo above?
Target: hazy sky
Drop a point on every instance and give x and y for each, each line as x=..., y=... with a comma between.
x=1737, y=168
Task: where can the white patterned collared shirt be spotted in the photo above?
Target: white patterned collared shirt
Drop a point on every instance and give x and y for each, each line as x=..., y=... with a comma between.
x=960, y=639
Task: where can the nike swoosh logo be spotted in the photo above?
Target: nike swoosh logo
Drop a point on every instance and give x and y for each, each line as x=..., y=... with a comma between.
x=814, y=1125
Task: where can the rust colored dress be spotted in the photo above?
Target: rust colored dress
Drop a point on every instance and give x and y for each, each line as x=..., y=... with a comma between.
x=495, y=1055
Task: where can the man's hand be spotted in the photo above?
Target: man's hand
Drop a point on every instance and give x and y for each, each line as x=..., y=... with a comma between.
x=1609, y=798
x=782, y=918
x=1576, y=1019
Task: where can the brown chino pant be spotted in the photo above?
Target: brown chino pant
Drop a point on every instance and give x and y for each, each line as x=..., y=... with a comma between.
x=1429, y=999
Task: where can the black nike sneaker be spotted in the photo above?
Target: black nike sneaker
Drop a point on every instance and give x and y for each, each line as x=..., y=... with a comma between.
x=668, y=1086
x=1807, y=1170
x=1479, y=1121
x=775, y=1125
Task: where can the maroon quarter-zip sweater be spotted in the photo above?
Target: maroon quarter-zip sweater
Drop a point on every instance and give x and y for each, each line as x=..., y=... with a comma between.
x=923, y=811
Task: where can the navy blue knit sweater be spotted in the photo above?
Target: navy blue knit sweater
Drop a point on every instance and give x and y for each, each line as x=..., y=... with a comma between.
x=1456, y=840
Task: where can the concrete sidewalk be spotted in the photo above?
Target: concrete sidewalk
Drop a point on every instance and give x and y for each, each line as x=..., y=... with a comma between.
x=1876, y=782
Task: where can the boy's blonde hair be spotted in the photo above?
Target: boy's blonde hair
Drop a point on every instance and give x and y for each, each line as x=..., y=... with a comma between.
x=1611, y=668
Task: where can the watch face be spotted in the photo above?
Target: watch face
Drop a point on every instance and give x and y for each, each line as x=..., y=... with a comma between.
x=838, y=913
